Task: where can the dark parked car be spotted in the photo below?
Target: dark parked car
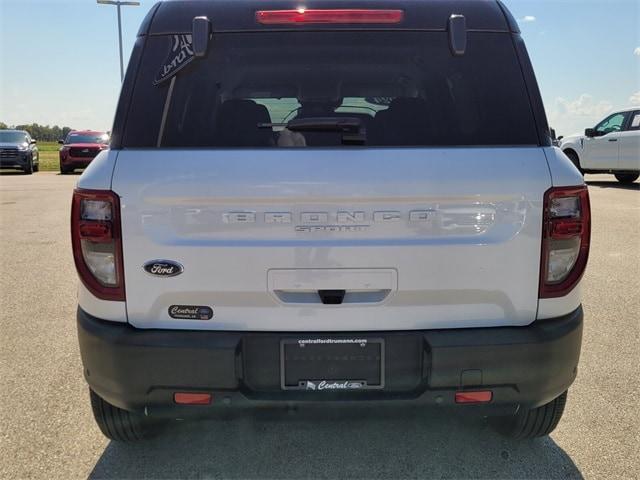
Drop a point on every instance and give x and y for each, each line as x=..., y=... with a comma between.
x=80, y=148
x=18, y=150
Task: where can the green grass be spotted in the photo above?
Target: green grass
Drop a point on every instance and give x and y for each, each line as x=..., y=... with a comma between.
x=49, y=159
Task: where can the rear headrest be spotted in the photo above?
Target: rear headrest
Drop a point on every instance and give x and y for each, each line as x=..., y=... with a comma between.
x=237, y=124
x=403, y=104
x=405, y=122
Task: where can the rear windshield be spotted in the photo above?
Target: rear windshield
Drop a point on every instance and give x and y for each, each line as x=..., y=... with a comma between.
x=300, y=89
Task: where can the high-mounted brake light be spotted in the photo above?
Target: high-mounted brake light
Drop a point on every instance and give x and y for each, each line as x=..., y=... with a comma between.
x=566, y=234
x=352, y=16
x=97, y=243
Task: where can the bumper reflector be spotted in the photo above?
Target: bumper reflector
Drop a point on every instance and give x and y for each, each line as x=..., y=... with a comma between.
x=192, y=398
x=484, y=396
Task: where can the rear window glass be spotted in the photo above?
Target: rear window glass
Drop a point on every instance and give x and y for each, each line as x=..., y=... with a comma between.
x=87, y=138
x=253, y=90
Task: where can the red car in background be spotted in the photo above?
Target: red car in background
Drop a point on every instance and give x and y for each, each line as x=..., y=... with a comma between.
x=80, y=148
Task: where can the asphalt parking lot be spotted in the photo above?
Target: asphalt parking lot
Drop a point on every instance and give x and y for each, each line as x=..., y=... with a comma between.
x=47, y=431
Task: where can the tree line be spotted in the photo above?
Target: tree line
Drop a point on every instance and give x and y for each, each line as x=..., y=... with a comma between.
x=42, y=133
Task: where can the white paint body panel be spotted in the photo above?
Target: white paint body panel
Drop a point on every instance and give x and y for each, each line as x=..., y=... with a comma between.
x=469, y=257
x=557, y=307
x=97, y=176
x=563, y=171
x=601, y=152
x=102, y=309
x=629, y=150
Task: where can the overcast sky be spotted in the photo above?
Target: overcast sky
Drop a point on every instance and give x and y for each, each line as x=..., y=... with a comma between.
x=59, y=59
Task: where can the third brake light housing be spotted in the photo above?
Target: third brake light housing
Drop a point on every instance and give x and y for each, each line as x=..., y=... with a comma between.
x=344, y=16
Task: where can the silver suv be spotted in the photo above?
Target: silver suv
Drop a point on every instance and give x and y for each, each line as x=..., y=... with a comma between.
x=348, y=204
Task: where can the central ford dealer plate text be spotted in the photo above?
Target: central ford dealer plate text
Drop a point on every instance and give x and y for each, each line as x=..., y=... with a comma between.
x=332, y=364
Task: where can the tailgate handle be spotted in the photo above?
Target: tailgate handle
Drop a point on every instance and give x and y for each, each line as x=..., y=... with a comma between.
x=332, y=297
x=332, y=286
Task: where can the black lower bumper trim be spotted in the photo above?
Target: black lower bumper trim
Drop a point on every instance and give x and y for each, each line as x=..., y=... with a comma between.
x=13, y=163
x=140, y=370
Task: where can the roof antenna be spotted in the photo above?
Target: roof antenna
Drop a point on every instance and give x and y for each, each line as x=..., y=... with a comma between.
x=457, y=34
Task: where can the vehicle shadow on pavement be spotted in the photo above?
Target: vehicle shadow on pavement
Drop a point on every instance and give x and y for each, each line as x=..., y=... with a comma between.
x=614, y=184
x=314, y=442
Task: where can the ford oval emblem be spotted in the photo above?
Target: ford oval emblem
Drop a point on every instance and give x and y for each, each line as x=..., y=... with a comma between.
x=163, y=268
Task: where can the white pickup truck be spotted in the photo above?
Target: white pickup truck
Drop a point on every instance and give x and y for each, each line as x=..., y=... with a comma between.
x=356, y=201
x=612, y=146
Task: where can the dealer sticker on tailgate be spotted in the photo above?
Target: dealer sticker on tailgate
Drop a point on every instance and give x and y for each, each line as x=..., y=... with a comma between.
x=190, y=312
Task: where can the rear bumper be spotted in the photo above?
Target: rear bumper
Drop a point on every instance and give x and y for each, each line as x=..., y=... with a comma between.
x=140, y=370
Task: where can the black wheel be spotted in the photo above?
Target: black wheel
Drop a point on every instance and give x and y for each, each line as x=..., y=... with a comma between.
x=64, y=171
x=36, y=167
x=531, y=423
x=627, y=178
x=121, y=425
x=573, y=156
x=28, y=168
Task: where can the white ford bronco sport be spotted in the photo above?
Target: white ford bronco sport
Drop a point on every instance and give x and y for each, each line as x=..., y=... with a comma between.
x=350, y=201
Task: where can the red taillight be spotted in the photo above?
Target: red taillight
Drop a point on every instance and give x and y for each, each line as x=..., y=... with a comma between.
x=192, y=398
x=352, y=16
x=97, y=242
x=483, y=396
x=99, y=232
x=566, y=234
x=566, y=228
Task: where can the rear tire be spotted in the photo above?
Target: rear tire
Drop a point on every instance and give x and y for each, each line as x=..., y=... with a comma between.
x=573, y=156
x=531, y=423
x=120, y=425
x=627, y=178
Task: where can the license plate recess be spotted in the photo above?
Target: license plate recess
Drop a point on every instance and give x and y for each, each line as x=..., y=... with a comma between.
x=332, y=364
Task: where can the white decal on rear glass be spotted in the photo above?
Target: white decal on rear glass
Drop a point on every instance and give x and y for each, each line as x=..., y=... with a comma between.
x=180, y=55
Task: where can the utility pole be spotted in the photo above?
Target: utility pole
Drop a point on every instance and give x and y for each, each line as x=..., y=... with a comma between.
x=119, y=3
